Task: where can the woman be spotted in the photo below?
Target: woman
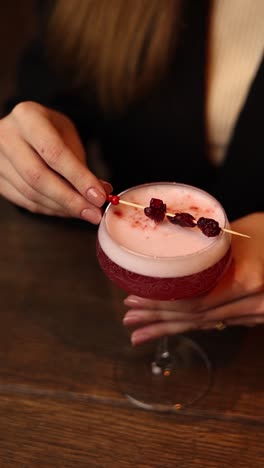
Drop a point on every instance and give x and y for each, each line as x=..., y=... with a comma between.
x=150, y=90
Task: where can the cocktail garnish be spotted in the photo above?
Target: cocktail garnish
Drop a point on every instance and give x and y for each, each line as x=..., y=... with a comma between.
x=157, y=212
x=114, y=199
x=209, y=227
x=183, y=219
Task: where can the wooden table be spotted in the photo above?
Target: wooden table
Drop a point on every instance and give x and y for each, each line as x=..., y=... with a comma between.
x=59, y=339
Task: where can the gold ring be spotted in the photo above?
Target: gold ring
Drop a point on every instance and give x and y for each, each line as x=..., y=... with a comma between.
x=220, y=326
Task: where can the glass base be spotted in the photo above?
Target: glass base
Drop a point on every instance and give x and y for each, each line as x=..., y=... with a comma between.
x=173, y=381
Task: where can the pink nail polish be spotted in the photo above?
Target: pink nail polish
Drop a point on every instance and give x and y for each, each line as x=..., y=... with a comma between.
x=132, y=301
x=139, y=338
x=130, y=319
x=107, y=186
x=95, y=196
x=92, y=215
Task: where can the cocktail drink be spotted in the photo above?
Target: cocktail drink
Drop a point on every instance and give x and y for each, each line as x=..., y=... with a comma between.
x=164, y=260
x=160, y=260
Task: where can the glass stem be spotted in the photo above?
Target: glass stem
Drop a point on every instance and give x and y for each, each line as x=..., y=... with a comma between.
x=162, y=348
x=163, y=360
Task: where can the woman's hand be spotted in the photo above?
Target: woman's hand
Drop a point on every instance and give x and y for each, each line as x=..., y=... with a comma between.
x=153, y=319
x=42, y=165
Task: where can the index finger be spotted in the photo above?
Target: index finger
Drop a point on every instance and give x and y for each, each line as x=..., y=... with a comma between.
x=42, y=135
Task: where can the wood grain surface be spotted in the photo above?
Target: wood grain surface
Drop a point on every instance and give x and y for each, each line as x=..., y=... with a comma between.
x=60, y=337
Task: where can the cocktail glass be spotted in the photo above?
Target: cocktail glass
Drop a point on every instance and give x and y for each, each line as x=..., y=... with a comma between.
x=163, y=262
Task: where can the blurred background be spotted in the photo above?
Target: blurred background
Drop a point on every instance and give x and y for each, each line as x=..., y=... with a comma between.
x=17, y=26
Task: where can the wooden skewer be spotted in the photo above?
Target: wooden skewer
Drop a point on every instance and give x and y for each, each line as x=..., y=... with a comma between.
x=136, y=205
x=235, y=233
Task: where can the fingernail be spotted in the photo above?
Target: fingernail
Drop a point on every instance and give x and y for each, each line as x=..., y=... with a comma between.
x=107, y=186
x=92, y=215
x=138, y=338
x=132, y=301
x=130, y=319
x=95, y=196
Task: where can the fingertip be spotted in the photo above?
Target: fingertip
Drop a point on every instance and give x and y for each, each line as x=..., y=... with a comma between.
x=92, y=215
x=107, y=186
x=132, y=301
x=96, y=196
x=139, y=338
x=131, y=319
